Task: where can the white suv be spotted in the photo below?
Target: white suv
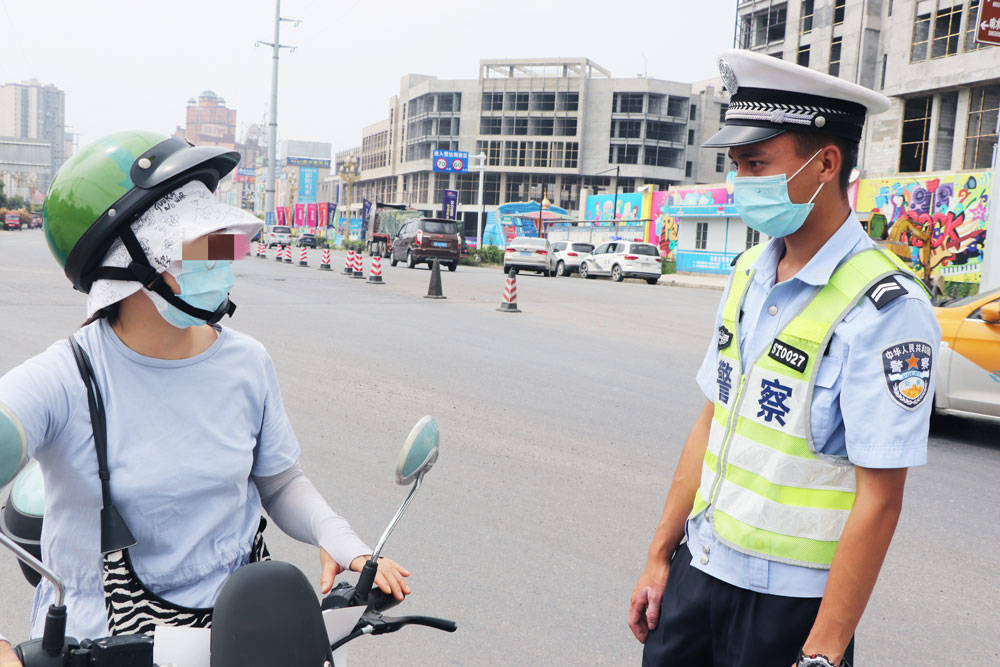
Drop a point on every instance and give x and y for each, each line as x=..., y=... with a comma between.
x=279, y=235
x=565, y=256
x=623, y=259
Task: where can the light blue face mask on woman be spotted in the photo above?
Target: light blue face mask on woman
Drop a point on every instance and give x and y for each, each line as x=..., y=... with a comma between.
x=204, y=284
x=763, y=203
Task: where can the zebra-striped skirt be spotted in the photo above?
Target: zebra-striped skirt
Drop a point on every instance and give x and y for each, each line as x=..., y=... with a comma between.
x=133, y=609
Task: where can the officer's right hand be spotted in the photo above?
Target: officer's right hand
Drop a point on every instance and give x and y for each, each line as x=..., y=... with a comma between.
x=7, y=656
x=644, y=609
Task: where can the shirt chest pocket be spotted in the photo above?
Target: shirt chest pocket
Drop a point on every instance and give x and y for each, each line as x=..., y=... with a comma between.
x=825, y=410
x=830, y=369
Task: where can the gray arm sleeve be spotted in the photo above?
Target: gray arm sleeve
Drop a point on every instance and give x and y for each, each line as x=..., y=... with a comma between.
x=301, y=512
x=13, y=445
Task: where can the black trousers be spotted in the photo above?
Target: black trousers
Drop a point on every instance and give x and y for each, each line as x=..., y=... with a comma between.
x=706, y=622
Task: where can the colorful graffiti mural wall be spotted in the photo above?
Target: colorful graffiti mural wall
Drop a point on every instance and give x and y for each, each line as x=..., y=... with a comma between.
x=951, y=209
x=667, y=207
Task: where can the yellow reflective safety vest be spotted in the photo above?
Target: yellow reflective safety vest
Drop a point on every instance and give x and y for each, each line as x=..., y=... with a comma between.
x=767, y=492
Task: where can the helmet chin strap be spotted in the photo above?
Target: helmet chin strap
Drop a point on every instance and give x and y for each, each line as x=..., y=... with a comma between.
x=141, y=271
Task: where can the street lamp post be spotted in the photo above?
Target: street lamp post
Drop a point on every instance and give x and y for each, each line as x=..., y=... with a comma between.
x=614, y=208
x=479, y=219
x=349, y=173
x=618, y=173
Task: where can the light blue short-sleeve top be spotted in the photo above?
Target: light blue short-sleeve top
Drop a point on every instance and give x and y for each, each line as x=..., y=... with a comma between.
x=184, y=438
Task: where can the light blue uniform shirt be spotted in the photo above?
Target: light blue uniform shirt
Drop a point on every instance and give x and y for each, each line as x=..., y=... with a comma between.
x=184, y=437
x=853, y=413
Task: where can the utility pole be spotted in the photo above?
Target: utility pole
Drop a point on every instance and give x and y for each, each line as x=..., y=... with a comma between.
x=479, y=219
x=272, y=124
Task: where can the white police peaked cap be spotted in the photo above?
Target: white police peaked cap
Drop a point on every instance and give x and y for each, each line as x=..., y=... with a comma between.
x=769, y=96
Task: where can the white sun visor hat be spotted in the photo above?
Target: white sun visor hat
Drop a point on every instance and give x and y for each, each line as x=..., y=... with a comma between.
x=181, y=215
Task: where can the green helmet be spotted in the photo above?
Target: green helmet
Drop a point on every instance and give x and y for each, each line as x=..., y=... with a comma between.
x=102, y=189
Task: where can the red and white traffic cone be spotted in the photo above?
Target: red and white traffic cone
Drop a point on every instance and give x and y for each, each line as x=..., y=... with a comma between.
x=349, y=263
x=359, y=266
x=288, y=254
x=375, y=272
x=509, y=303
x=281, y=249
x=303, y=257
x=324, y=263
x=261, y=251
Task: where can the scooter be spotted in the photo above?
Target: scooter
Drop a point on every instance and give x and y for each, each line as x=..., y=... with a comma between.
x=266, y=613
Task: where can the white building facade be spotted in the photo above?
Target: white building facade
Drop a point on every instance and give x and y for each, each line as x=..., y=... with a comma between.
x=554, y=128
x=944, y=86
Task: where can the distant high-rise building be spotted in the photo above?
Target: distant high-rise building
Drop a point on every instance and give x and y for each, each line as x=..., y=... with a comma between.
x=210, y=122
x=30, y=110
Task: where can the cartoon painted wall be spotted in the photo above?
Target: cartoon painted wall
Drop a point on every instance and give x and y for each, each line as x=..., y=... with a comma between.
x=663, y=227
x=629, y=206
x=951, y=209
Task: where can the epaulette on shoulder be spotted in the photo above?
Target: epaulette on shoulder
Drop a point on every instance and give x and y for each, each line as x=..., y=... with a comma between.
x=885, y=291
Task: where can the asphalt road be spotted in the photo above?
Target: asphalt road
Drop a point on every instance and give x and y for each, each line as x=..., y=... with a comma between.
x=560, y=430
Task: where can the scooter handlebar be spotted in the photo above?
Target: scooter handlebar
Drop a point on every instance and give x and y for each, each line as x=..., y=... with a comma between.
x=393, y=624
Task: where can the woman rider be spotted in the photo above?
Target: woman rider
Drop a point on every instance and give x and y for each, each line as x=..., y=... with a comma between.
x=197, y=438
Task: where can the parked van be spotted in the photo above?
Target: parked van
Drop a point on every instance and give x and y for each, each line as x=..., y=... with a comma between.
x=427, y=239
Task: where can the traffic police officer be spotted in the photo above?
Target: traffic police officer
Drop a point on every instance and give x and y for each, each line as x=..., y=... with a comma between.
x=818, y=379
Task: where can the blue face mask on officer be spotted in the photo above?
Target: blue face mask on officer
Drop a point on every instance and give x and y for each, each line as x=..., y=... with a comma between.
x=204, y=284
x=764, y=205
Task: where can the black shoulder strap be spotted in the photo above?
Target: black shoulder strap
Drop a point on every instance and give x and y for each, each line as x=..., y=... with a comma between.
x=115, y=534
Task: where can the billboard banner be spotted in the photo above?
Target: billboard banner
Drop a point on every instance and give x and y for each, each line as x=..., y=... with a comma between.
x=322, y=214
x=300, y=214
x=366, y=207
x=311, y=213
x=280, y=211
x=451, y=204
x=307, y=162
x=308, y=177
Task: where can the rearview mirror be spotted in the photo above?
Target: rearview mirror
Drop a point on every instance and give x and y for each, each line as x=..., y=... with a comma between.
x=419, y=452
x=991, y=312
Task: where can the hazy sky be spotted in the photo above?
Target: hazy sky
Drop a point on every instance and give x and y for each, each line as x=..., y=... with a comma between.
x=135, y=64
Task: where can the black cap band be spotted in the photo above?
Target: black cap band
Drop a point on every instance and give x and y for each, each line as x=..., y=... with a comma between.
x=784, y=110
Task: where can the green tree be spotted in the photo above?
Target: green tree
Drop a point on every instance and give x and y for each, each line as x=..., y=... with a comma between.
x=10, y=202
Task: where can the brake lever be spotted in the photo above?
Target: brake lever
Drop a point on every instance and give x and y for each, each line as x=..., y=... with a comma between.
x=385, y=625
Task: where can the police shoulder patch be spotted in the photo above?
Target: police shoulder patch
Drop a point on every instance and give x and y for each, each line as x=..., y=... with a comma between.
x=907, y=369
x=725, y=337
x=885, y=292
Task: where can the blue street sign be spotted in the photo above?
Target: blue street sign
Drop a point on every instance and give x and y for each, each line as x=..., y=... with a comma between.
x=448, y=161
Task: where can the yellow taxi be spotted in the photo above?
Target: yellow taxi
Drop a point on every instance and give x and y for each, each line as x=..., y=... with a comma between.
x=968, y=366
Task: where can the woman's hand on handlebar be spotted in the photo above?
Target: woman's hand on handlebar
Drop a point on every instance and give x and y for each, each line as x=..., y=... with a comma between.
x=331, y=569
x=7, y=656
x=390, y=578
